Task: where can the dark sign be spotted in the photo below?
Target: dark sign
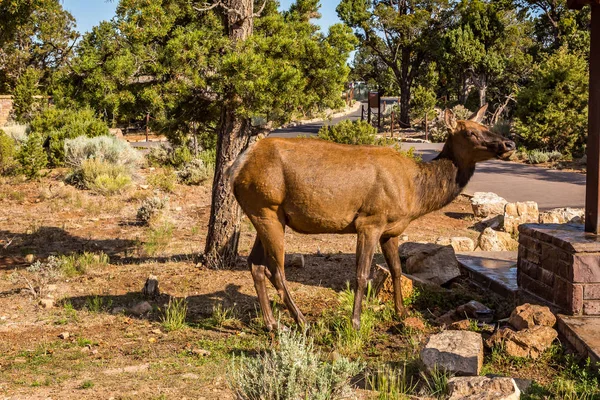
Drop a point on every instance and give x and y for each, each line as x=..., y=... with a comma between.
x=373, y=99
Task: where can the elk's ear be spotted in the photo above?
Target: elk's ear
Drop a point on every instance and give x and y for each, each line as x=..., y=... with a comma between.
x=450, y=119
x=479, y=115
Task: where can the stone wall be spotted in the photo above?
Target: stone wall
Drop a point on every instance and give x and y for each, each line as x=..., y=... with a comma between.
x=6, y=106
x=560, y=264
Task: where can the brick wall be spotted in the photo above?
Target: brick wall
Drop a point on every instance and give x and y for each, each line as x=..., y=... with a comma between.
x=6, y=106
x=560, y=264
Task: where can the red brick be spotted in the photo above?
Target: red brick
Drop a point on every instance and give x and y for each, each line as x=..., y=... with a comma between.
x=591, y=292
x=547, y=277
x=586, y=267
x=591, y=307
x=529, y=268
x=568, y=296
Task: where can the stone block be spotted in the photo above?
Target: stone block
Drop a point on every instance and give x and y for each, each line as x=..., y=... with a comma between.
x=430, y=262
x=591, y=307
x=586, y=268
x=483, y=388
x=487, y=203
x=591, y=292
x=529, y=315
x=457, y=352
x=519, y=213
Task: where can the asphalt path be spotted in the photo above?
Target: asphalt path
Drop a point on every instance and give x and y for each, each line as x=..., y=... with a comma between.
x=513, y=181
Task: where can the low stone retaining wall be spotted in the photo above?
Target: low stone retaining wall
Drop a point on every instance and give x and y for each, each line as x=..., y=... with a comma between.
x=560, y=264
x=6, y=106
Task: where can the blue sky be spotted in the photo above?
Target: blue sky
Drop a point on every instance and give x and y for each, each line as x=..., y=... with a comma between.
x=89, y=13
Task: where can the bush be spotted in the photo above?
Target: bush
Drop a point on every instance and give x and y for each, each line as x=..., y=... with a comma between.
x=100, y=177
x=164, y=180
x=175, y=157
x=56, y=125
x=195, y=172
x=439, y=132
x=150, y=208
x=551, y=112
x=107, y=149
x=17, y=132
x=351, y=132
x=539, y=157
x=8, y=150
x=291, y=371
x=32, y=156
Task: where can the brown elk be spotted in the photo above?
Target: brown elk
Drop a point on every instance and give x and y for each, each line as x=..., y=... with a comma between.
x=314, y=186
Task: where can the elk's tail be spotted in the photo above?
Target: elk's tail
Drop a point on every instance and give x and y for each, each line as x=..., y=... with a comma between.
x=234, y=167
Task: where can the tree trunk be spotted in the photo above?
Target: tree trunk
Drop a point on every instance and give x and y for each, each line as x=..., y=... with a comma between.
x=234, y=136
x=405, y=89
x=464, y=89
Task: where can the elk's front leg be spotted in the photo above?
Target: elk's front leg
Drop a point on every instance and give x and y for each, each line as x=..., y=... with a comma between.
x=389, y=247
x=365, y=248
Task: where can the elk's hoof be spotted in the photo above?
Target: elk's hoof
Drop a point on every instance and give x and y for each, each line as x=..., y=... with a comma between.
x=356, y=324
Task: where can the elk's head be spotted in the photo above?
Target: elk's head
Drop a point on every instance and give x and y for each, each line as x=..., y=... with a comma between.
x=470, y=142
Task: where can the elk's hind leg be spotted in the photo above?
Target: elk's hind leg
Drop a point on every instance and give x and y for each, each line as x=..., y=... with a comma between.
x=389, y=247
x=257, y=264
x=271, y=230
x=365, y=248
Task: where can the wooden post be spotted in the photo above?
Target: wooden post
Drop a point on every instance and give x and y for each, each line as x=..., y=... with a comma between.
x=392, y=126
x=369, y=114
x=592, y=198
x=362, y=112
x=426, y=127
x=147, y=125
x=378, y=111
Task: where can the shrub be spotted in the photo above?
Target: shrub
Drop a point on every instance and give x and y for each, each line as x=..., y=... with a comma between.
x=77, y=264
x=174, y=315
x=107, y=149
x=158, y=239
x=39, y=274
x=350, y=132
x=195, y=172
x=56, y=125
x=150, y=208
x=292, y=371
x=539, y=156
x=175, y=157
x=17, y=132
x=551, y=112
x=439, y=131
x=164, y=180
x=24, y=92
x=100, y=177
x=32, y=156
x=7, y=153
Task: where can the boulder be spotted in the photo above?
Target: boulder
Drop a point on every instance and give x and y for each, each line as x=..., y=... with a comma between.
x=482, y=388
x=459, y=244
x=141, y=308
x=456, y=352
x=473, y=309
x=487, y=204
x=491, y=240
x=383, y=287
x=529, y=315
x=563, y=216
x=150, y=289
x=516, y=214
x=296, y=261
x=430, y=262
x=530, y=342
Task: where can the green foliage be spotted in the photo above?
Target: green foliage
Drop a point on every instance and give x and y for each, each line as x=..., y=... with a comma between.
x=392, y=383
x=551, y=111
x=196, y=172
x=23, y=97
x=163, y=180
x=97, y=304
x=174, y=315
x=158, y=239
x=107, y=149
x=350, y=132
x=78, y=264
x=292, y=370
x=56, y=125
x=539, y=157
x=150, y=208
x=436, y=382
x=100, y=177
x=32, y=156
x=8, y=150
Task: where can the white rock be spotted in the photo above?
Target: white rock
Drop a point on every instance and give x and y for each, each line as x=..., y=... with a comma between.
x=563, y=216
x=491, y=240
x=487, y=203
x=458, y=243
x=47, y=303
x=430, y=262
x=519, y=213
x=457, y=352
x=483, y=388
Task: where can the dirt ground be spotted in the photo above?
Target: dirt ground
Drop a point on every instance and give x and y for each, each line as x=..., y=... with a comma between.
x=112, y=355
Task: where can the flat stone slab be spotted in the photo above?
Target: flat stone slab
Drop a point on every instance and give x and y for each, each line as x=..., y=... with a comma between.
x=583, y=333
x=494, y=270
x=457, y=352
x=569, y=237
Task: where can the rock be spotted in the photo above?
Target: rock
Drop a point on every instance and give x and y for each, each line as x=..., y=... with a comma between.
x=430, y=262
x=383, y=287
x=297, y=261
x=528, y=315
x=116, y=132
x=563, y=216
x=29, y=258
x=516, y=214
x=448, y=318
x=459, y=244
x=491, y=240
x=118, y=310
x=487, y=203
x=530, y=342
x=201, y=352
x=457, y=352
x=483, y=388
x=473, y=309
x=190, y=376
x=404, y=238
x=64, y=335
x=144, y=187
x=414, y=323
x=151, y=289
x=47, y=303
x=141, y=308
x=463, y=325
x=495, y=222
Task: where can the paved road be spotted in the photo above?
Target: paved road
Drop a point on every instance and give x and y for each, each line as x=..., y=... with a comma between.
x=513, y=181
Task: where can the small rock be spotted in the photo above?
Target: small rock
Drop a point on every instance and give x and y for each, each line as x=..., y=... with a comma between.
x=530, y=342
x=518, y=213
x=64, y=335
x=457, y=352
x=190, y=376
x=491, y=240
x=448, y=318
x=178, y=208
x=494, y=222
x=20, y=360
x=118, y=310
x=472, y=309
x=383, y=287
x=563, y=216
x=483, y=388
x=404, y=238
x=459, y=244
x=51, y=288
x=430, y=262
x=151, y=289
x=29, y=258
x=47, y=303
x=297, y=261
x=528, y=315
x=463, y=325
x=201, y=352
x=414, y=323
x=144, y=187
x=157, y=331
x=487, y=203
x=141, y=308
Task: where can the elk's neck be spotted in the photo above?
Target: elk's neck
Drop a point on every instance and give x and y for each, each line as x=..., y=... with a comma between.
x=440, y=181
